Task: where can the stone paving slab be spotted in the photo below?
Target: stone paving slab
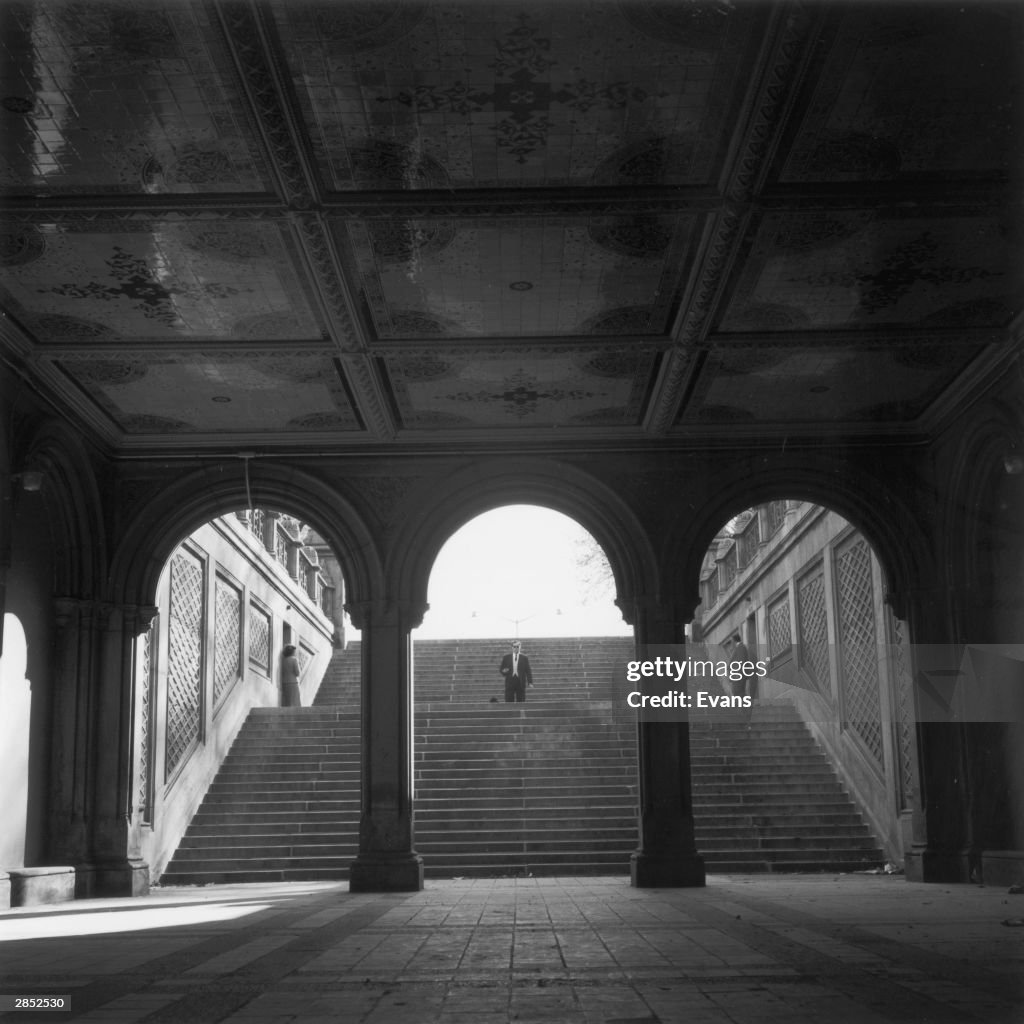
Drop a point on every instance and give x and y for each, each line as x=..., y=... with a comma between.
x=849, y=949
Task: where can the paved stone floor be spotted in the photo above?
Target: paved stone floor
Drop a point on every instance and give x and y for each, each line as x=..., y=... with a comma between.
x=844, y=949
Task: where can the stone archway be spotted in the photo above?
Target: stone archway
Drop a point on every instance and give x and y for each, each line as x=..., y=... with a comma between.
x=884, y=510
x=666, y=853
x=154, y=529
x=159, y=524
x=447, y=505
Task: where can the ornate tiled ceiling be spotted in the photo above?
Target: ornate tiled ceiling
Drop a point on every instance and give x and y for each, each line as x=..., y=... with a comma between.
x=518, y=277
x=352, y=223
x=559, y=387
x=416, y=95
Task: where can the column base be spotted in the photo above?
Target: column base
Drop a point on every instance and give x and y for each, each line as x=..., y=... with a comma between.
x=381, y=873
x=651, y=871
x=122, y=878
x=925, y=865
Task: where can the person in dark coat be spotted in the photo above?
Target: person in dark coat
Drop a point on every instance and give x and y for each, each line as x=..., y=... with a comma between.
x=290, y=673
x=515, y=667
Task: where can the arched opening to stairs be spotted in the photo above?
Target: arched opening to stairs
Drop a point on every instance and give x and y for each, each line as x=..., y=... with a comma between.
x=546, y=785
x=240, y=776
x=820, y=773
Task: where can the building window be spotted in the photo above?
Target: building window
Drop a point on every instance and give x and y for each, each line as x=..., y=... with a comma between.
x=729, y=568
x=775, y=516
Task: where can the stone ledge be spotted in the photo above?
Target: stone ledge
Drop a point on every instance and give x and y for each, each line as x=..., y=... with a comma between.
x=1002, y=867
x=49, y=884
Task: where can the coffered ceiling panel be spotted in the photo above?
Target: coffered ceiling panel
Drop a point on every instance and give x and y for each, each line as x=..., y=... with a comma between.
x=155, y=280
x=586, y=387
x=121, y=97
x=784, y=384
x=854, y=269
x=920, y=90
x=409, y=95
x=526, y=277
x=218, y=393
x=636, y=221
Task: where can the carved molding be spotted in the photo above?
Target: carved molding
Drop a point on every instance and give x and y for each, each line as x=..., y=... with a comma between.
x=318, y=247
x=777, y=87
x=247, y=33
x=368, y=396
x=715, y=263
x=677, y=372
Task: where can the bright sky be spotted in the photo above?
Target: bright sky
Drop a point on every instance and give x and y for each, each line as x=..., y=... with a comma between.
x=517, y=563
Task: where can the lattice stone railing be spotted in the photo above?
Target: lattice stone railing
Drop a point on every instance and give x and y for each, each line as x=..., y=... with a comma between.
x=858, y=649
x=812, y=629
x=227, y=639
x=780, y=637
x=184, y=657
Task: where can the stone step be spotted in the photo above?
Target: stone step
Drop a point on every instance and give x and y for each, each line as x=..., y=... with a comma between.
x=338, y=860
x=233, y=786
x=244, y=759
x=231, y=828
x=244, y=822
x=264, y=847
x=241, y=876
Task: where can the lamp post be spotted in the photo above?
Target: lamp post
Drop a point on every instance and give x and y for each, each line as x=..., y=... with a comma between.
x=525, y=618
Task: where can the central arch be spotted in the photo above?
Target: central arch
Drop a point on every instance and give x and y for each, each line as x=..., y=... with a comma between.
x=451, y=503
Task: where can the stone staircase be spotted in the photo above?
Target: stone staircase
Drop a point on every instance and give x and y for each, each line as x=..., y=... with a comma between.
x=340, y=685
x=766, y=797
x=546, y=787
x=284, y=805
x=464, y=671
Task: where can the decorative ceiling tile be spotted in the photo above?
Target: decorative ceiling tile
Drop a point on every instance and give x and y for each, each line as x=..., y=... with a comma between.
x=451, y=388
x=843, y=269
x=913, y=90
x=527, y=277
x=118, y=96
x=409, y=95
x=160, y=280
x=217, y=393
x=783, y=384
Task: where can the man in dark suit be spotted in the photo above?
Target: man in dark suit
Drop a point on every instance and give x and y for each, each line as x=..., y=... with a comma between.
x=515, y=667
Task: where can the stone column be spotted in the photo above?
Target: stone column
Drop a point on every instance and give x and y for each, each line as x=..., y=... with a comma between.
x=940, y=846
x=67, y=804
x=116, y=867
x=387, y=861
x=667, y=854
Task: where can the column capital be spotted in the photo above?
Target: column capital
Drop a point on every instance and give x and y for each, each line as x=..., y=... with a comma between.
x=658, y=620
x=405, y=614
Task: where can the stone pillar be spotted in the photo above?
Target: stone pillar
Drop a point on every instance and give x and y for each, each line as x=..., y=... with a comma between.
x=387, y=861
x=940, y=829
x=667, y=854
x=116, y=867
x=70, y=715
